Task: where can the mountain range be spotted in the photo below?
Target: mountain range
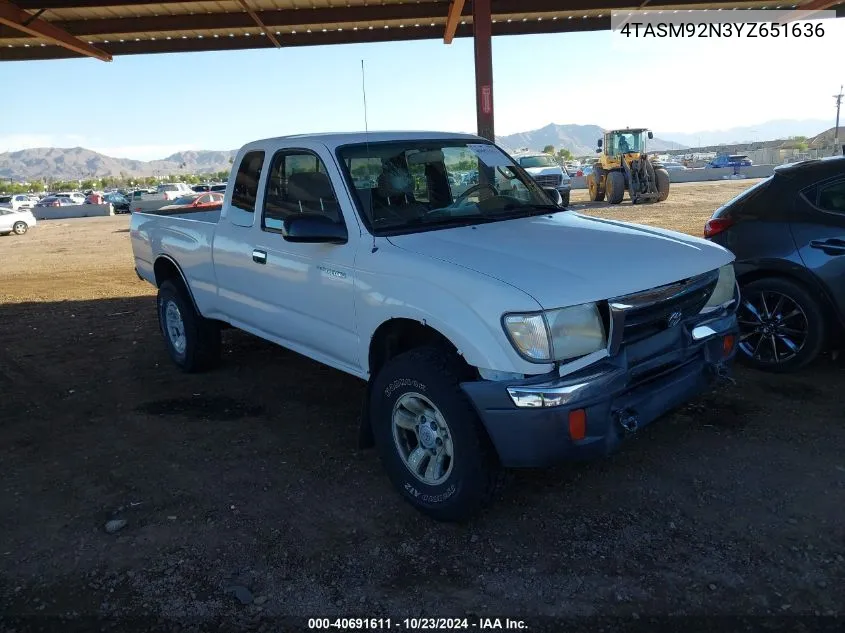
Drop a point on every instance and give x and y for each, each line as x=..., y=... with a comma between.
x=80, y=163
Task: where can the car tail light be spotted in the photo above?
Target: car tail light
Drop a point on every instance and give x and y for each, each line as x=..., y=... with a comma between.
x=714, y=226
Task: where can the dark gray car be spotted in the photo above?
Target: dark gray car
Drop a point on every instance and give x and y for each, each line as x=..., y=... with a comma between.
x=788, y=235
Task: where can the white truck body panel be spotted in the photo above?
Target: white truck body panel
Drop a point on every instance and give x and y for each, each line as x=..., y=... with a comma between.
x=327, y=300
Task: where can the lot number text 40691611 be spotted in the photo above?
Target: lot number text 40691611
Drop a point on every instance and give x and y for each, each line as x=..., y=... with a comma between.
x=417, y=624
x=796, y=30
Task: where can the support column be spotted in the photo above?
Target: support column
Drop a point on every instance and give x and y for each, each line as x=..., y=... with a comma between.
x=482, y=31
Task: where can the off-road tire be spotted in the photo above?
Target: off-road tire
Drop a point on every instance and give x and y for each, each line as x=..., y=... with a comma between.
x=662, y=180
x=202, y=336
x=615, y=187
x=565, y=199
x=594, y=185
x=476, y=474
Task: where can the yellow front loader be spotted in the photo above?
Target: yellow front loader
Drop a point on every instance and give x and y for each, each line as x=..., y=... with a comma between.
x=625, y=164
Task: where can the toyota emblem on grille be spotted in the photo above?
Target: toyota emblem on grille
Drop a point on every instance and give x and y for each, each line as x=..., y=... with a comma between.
x=674, y=318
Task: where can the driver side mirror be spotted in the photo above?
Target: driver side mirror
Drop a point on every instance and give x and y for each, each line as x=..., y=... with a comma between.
x=554, y=194
x=313, y=228
x=599, y=143
x=650, y=135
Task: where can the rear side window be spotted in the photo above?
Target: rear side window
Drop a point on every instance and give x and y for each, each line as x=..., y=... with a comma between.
x=246, y=182
x=738, y=204
x=832, y=197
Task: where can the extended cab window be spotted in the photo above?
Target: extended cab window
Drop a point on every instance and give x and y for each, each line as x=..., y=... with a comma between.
x=246, y=182
x=297, y=183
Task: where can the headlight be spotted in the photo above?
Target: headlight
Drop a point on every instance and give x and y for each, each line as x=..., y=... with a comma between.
x=724, y=290
x=557, y=334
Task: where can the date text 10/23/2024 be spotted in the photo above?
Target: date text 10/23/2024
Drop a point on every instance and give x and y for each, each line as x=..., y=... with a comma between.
x=416, y=624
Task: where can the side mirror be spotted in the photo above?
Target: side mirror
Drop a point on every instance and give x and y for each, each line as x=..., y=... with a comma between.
x=599, y=142
x=650, y=135
x=312, y=228
x=554, y=194
x=598, y=151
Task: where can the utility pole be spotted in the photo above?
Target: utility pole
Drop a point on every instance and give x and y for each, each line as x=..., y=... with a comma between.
x=836, y=148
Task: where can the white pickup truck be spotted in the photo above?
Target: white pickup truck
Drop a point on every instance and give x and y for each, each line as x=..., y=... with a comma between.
x=494, y=328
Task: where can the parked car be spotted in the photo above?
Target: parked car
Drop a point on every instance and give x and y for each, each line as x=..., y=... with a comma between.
x=547, y=172
x=56, y=201
x=493, y=329
x=17, y=221
x=732, y=160
x=201, y=188
x=118, y=201
x=17, y=201
x=173, y=190
x=195, y=201
x=75, y=197
x=788, y=234
x=219, y=187
x=672, y=166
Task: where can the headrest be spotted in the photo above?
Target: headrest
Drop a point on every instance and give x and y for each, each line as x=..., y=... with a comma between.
x=310, y=186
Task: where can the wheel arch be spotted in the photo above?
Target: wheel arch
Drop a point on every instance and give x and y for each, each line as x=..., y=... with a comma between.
x=165, y=268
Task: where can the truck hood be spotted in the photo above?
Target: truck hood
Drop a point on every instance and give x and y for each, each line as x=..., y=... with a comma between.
x=568, y=259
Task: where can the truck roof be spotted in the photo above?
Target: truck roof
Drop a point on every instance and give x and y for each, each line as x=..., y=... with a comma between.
x=334, y=140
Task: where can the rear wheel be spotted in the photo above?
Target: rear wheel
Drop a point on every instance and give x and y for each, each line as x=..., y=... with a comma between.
x=782, y=326
x=429, y=437
x=20, y=228
x=192, y=340
x=615, y=187
x=661, y=178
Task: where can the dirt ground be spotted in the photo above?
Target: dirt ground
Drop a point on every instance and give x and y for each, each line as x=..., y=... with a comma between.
x=246, y=481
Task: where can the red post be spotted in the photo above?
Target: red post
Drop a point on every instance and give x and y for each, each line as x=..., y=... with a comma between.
x=483, y=31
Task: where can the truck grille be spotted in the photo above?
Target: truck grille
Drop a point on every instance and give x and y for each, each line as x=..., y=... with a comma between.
x=548, y=180
x=648, y=313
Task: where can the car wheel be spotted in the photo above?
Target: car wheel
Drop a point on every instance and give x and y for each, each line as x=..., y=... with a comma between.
x=782, y=326
x=20, y=228
x=565, y=199
x=431, y=442
x=192, y=340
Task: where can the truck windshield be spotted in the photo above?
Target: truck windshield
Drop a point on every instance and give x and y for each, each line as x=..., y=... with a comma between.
x=409, y=186
x=537, y=161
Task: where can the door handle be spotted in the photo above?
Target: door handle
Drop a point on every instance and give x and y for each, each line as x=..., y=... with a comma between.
x=259, y=257
x=830, y=247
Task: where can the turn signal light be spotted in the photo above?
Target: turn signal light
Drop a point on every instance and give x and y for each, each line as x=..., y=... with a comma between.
x=578, y=424
x=728, y=345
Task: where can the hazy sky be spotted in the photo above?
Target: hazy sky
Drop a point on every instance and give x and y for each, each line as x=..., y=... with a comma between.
x=150, y=106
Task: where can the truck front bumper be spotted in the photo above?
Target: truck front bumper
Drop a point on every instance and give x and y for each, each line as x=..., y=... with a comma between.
x=549, y=419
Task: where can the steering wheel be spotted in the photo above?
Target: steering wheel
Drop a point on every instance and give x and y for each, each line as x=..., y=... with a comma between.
x=466, y=194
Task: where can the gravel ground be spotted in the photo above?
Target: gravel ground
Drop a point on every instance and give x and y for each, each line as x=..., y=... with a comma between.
x=237, y=498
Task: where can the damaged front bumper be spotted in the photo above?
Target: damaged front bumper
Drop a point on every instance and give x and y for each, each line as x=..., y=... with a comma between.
x=548, y=419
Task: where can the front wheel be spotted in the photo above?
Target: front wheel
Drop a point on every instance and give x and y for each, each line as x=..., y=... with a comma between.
x=782, y=327
x=615, y=187
x=661, y=178
x=20, y=228
x=430, y=439
x=564, y=198
x=192, y=340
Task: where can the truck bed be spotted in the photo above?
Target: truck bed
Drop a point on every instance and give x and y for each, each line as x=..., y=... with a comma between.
x=184, y=236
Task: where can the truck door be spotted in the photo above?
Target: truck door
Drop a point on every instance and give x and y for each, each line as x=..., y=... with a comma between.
x=819, y=231
x=300, y=294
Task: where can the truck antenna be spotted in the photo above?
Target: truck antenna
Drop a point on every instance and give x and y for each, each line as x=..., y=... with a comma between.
x=367, y=142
